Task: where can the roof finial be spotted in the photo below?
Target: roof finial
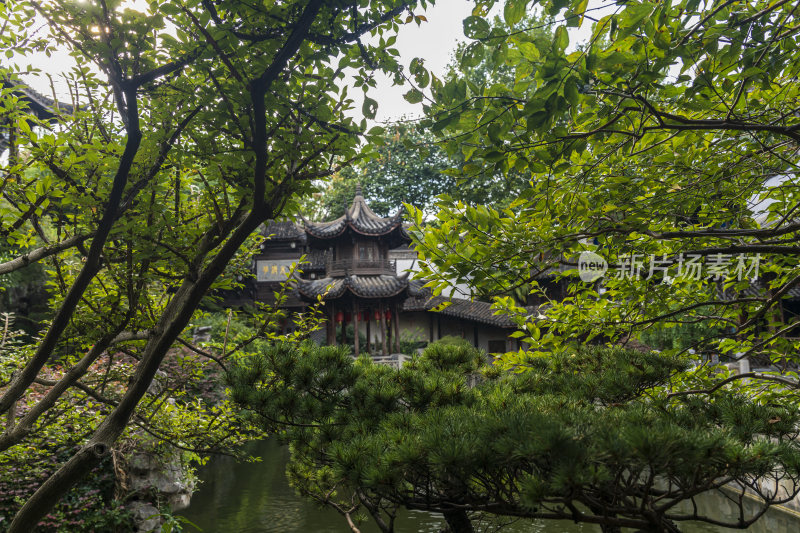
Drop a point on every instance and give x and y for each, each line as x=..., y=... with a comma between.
x=358, y=188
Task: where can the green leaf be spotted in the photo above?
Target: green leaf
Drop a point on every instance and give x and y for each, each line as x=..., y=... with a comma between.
x=561, y=38
x=476, y=27
x=571, y=92
x=529, y=51
x=631, y=18
x=370, y=107
x=514, y=11
x=494, y=156
x=580, y=10
x=421, y=74
x=414, y=96
x=662, y=38
x=446, y=121
x=472, y=55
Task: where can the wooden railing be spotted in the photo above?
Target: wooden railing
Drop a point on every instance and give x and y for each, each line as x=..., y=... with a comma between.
x=395, y=360
x=347, y=267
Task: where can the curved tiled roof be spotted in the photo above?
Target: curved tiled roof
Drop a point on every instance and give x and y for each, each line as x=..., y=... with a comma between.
x=382, y=286
x=474, y=310
x=417, y=289
x=44, y=107
x=360, y=219
x=284, y=230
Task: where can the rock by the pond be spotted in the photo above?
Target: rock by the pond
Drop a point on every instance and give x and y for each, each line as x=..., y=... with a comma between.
x=166, y=479
x=146, y=516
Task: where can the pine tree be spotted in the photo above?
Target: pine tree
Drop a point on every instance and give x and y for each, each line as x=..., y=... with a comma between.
x=595, y=436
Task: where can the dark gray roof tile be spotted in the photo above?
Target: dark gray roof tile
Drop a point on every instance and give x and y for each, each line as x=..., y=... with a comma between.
x=41, y=105
x=284, y=230
x=474, y=310
x=361, y=219
x=382, y=286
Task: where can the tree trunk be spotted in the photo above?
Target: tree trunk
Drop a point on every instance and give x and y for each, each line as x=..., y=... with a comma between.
x=174, y=319
x=11, y=416
x=458, y=522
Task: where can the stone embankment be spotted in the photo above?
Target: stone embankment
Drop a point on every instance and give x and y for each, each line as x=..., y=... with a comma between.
x=155, y=479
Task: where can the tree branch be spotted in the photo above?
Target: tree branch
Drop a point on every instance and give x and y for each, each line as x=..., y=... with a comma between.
x=41, y=253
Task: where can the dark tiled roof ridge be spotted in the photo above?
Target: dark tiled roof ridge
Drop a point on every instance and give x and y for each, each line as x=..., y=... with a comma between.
x=359, y=218
x=474, y=310
x=377, y=286
x=283, y=230
x=42, y=105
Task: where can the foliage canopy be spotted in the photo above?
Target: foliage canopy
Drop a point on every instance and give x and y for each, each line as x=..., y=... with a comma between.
x=671, y=135
x=190, y=124
x=594, y=436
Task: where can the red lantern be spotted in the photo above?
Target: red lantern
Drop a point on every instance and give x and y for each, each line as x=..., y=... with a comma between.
x=377, y=315
x=365, y=316
x=388, y=314
x=347, y=317
x=339, y=316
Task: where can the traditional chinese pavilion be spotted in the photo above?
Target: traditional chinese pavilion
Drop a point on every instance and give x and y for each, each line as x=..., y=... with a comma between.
x=358, y=266
x=361, y=284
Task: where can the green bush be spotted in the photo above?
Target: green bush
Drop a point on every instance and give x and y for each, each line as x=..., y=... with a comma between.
x=452, y=340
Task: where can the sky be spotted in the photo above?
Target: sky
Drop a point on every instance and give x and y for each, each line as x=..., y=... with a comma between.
x=434, y=40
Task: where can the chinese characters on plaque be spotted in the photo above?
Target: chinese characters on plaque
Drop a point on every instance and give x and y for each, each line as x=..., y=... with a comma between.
x=274, y=270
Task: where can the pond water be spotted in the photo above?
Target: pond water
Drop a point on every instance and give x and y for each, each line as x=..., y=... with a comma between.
x=256, y=498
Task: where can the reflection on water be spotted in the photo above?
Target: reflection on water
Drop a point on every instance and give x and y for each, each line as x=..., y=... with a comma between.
x=256, y=498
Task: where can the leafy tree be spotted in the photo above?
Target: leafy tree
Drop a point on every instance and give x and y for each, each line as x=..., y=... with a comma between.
x=409, y=166
x=594, y=436
x=486, y=66
x=405, y=168
x=186, y=417
x=671, y=135
x=198, y=122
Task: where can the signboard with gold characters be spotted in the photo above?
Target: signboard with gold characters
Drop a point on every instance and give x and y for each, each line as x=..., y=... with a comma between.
x=274, y=270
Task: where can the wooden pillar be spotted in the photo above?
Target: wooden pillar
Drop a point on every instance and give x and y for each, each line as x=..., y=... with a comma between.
x=344, y=329
x=389, y=329
x=355, y=326
x=330, y=327
x=382, y=319
x=396, y=321
x=369, y=333
x=430, y=326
